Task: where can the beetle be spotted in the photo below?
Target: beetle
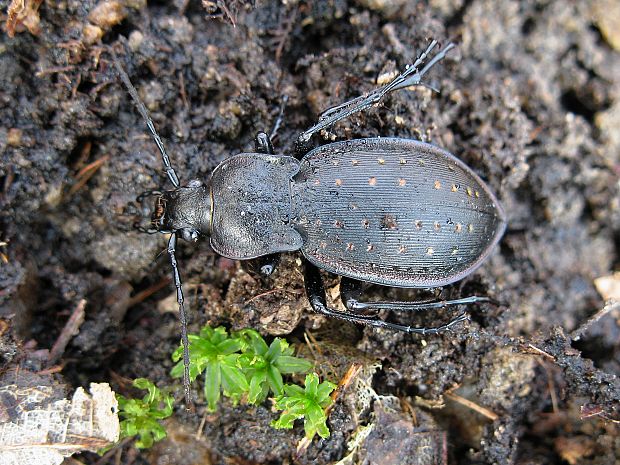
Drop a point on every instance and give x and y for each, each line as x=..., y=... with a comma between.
x=388, y=211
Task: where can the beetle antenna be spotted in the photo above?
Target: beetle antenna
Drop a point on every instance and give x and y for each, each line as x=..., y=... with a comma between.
x=172, y=175
x=182, y=316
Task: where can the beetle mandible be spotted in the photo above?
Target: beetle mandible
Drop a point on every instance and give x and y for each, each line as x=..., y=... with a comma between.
x=388, y=211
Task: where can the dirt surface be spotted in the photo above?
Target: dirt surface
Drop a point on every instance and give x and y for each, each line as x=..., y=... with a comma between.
x=530, y=99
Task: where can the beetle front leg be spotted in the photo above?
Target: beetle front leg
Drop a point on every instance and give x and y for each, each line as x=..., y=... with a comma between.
x=316, y=295
x=182, y=316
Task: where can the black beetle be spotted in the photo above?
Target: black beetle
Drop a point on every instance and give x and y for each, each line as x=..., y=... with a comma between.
x=388, y=211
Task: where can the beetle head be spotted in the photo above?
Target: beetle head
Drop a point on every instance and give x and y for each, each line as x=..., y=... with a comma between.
x=184, y=210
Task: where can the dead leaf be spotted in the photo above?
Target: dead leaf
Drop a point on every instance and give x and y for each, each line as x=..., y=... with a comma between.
x=23, y=13
x=40, y=426
x=574, y=449
x=609, y=286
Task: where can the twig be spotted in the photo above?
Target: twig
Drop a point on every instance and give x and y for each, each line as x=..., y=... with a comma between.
x=343, y=384
x=533, y=348
x=72, y=327
x=51, y=370
x=201, y=427
x=490, y=414
x=550, y=385
x=140, y=296
x=610, y=306
x=112, y=451
x=84, y=154
x=263, y=294
x=588, y=411
x=286, y=33
x=54, y=70
x=183, y=92
x=86, y=173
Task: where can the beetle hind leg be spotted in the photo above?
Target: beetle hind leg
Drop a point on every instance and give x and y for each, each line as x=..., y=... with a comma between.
x=411, y=76
x=351, y=293
x=316, y=295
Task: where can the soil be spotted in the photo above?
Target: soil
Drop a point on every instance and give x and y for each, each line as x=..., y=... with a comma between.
x=530, y=99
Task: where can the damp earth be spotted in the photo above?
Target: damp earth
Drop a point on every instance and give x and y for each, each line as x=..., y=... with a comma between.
x=529, y=99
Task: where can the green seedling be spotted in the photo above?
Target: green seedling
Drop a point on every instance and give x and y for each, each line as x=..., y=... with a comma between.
x=264, y=365
x=242, y=363
x=308, y=403
x=216, y=354
x=140, y=417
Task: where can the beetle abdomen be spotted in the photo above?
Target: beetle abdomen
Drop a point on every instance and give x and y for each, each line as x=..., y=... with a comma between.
x=393, y=211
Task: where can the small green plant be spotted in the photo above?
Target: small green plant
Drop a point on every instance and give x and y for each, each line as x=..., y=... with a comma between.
x=216, y=354
x=308, y=403
x=238, y=363
x=264, y=365
x=241, y=363
x=140, y=417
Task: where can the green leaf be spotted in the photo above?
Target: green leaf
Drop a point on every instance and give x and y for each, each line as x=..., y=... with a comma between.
x=128, y=428
x=294, y=391
x=256, y=342
x=230, y=346
x=276, y=348
x=234, y=379
x=213, y=382
x=274, y=378
x=306, y=403
x=143, y=383
x=159, y=432
x=145, y=441
x=314, y=419
x=256, y=391
x=312, y=384
x=323, y=393
x=288, y=364
x=285, y=421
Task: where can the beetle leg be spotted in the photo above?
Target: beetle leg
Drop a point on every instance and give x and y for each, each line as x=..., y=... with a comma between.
x=262, y=143
x=276, y=126
x=316, y=295
x=263, y=266
x=182, y=316
x=410, y=77
x=351, y=293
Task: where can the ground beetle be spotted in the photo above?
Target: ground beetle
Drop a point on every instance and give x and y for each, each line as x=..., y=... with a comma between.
x=388, y=211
